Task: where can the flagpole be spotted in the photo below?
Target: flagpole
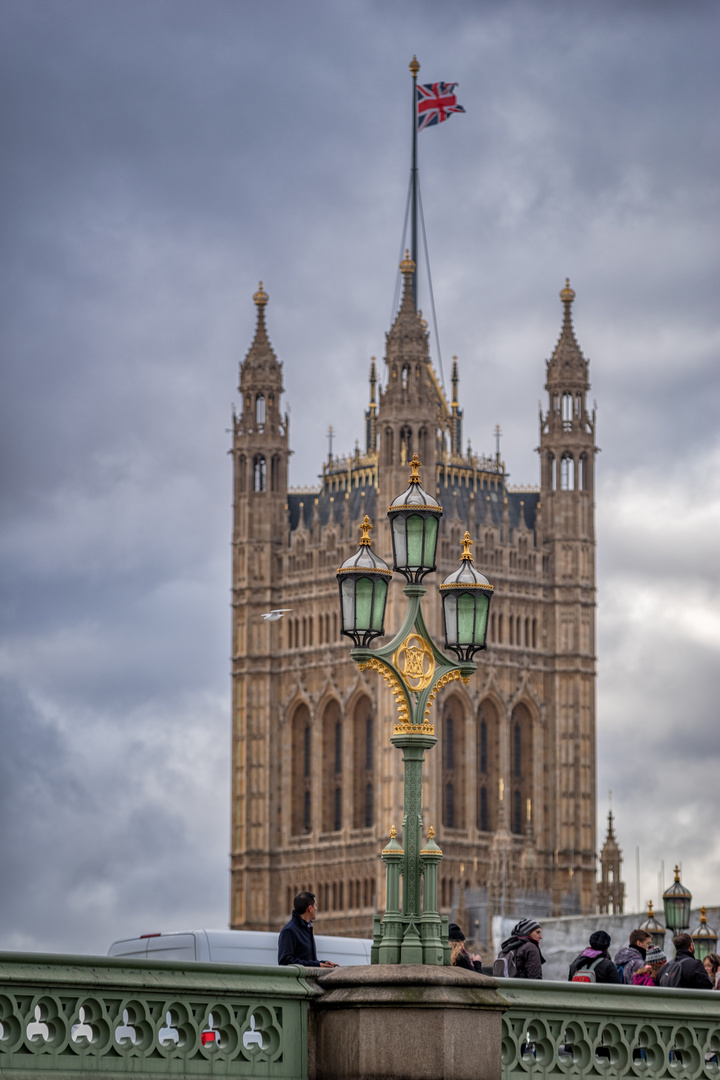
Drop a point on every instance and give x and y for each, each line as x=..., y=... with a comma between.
x=414, y=68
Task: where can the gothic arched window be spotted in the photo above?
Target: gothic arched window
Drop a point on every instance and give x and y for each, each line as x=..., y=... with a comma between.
x=301, y=803
x=483, y=816
x=567, y=472
x=406, y=444
x=332, y=767
x=260, y=410
x=520, y=765
x=449, y=806
x=453, y=763
x=487, y=764
x=567, y=411
x=260, y=473
x=363, y=764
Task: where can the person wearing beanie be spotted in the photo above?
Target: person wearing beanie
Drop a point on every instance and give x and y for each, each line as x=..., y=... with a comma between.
x=523, y=946
x=605, y=970
x=649, y=974
x=459, y=956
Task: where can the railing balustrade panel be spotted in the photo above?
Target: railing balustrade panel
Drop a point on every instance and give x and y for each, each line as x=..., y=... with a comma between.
x=77, y=1015
x=558, y=1030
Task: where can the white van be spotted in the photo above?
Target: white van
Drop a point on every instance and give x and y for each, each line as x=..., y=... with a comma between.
x=233, y=947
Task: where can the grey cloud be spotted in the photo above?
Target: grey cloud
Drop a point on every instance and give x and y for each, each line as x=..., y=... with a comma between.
x=158, y=161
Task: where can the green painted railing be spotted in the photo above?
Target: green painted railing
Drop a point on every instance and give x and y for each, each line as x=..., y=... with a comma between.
x=553, y=1029
x=74, y=1015
x=84, y=1014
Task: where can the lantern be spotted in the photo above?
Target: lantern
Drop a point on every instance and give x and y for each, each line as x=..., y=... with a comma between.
x=414, y=518
x=466, y=596
x=363, y=581
x=704, y=937
x=676, y=901
x=655, y=929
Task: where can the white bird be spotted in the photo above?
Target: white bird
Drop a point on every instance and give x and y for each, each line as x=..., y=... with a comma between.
x=273, y=616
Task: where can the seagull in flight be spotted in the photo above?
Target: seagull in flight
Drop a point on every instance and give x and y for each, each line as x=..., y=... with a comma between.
x=273, y=616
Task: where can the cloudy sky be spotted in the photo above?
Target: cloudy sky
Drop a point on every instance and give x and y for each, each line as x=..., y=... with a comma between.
x=161, y=157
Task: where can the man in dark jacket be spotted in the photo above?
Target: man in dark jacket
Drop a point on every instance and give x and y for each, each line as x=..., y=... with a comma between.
x=524, y=944
x=630, y=958
x=296, y=943
x=693, y=975
x=604, y=969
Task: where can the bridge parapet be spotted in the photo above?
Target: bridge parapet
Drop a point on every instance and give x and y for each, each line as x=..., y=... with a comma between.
x=71, y=1015
x=554, y=1029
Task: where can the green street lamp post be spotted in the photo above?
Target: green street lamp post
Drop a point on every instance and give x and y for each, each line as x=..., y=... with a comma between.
x=704, y=938
x=411, y=931
x=655, y=929
x=676, y=901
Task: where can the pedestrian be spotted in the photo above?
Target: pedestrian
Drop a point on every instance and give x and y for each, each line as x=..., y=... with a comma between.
x=520, y=956
x=296, y=943
x=630, y=958
x=595, y=960
x=711, y=963
x=649, y=973
x=459, y=956
x=685, y=970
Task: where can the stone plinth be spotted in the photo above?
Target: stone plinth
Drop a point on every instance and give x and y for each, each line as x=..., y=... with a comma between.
x=405, y=1022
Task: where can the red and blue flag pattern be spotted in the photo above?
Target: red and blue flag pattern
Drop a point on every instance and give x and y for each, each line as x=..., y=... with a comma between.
x=435, y=103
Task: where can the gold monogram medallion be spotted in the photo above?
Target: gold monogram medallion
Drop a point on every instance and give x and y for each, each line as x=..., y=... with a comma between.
x=415, y=661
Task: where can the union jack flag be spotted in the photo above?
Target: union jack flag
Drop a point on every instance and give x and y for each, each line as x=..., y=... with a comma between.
x=435, y=102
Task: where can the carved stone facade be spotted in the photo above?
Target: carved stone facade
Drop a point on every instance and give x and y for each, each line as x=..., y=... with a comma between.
x=316, y=785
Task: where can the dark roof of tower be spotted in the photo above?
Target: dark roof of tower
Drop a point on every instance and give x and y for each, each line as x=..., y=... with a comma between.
x=567, y=368
x=455, y=500
x=330, y=508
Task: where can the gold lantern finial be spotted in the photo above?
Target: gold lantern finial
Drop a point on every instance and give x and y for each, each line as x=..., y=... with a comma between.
x=567, y=295
x=414, y=66
x=703, y=916
x=677, y=873
x=407, y=266
x=393, y=832
x=415, y=464
x=365, y=528
x=467, y=544
x=431, y=836
x=260, y=297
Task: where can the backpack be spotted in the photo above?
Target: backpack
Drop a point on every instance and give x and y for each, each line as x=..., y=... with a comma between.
x=505, y=966
x=621, y=972
x=586, y=974
x=671, y=973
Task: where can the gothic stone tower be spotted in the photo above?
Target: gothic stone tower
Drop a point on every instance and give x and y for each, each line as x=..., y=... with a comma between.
x=611, y=888
x=316, y=785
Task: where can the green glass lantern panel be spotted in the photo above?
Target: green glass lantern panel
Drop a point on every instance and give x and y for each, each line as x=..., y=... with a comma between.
x=431, y=531
x=466, y=618
x=415, y=536
x=399, y=545
x=481, y=617
x=379, y=605
x=450, y=605
x=363, y=603
x=348, y=603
